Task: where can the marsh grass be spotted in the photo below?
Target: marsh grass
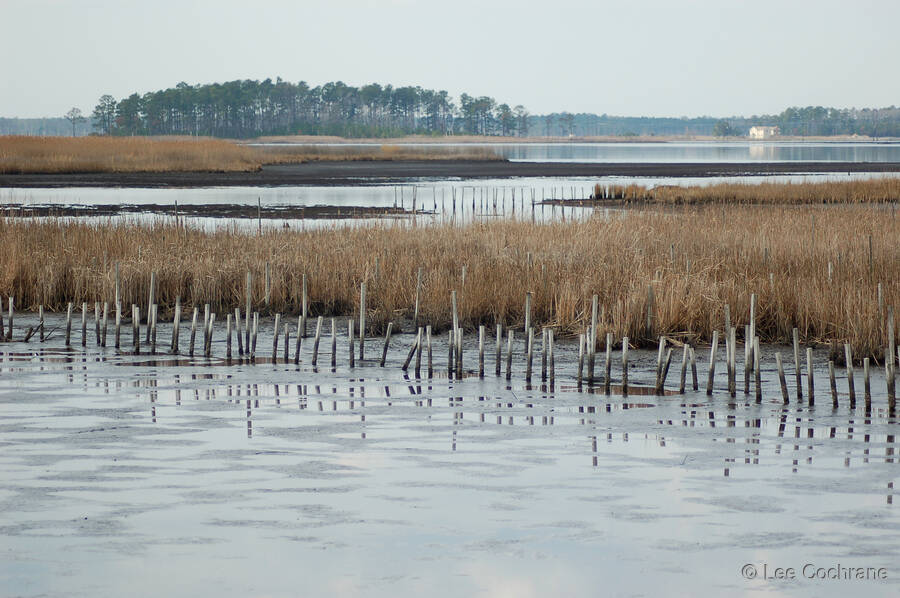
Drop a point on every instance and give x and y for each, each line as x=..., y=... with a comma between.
x=59, y=155
x=697, y=259
x=876, y=190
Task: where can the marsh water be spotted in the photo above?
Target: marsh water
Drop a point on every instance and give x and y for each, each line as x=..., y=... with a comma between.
x=670, y=152
x=153, y=475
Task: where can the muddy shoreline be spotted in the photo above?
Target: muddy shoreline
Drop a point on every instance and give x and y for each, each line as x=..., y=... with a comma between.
x=352, y=173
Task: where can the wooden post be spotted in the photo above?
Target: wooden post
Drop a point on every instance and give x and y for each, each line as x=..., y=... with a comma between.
x=153, y=328
x=748, y=353
x=315, y=351
x=176, y=325
x=732, y=366
x=428, y=348
x=362, y=321
x=304, y=313
x=253, y=336
x=661, y=378
x=238, y=330
x=497, y=350
x=509, y=350
x=459, y=352
x=150, y=302
x=693, y=358
x=848, y=356
x=40, y=322
x=412, y=351
x=451, y=348
x=194, y=332
x=68, y=325
x=529, y=355
x=299, y=342
x=543, y=354
x=625, y=366
x=453, y=308
x=97, y=321
x=334, y=342
x=607, y=380
x=248, y=307
x=550, y=358
x=684, y=361
x=581, y=351
x=83, y=325
x=659, y=360
x=136, y=328
x=889, y=378
x=207, y=350
x=756, y=372
x=796, y=334
x=481, y=351
x=809, y=376
x=350, y=338
x=387, y=342
x=275, y=338
x=867, y=384
x=118, y=334
x=287, y=344
x=712, y=363
x=419, y=335
x=834, y=394
x=784, y=389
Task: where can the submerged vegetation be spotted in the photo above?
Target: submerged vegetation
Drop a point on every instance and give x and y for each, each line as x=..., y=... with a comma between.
x=52, y=155
x=830, y=272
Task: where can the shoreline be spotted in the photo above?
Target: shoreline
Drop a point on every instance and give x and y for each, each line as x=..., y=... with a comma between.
x=362, y=173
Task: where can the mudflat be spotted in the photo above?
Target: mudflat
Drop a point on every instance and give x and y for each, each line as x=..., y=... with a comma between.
x=344, y=173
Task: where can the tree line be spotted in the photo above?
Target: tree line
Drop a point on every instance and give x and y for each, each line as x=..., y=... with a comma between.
x=249, y=108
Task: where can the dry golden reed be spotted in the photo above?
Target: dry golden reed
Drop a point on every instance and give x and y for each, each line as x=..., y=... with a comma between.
x=811, y=267
x=876, y=190
x=59, y=155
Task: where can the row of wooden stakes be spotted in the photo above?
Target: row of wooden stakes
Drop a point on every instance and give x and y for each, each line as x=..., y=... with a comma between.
x=247, y=328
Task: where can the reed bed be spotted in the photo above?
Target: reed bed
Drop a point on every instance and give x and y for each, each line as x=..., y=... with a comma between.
x=293, y=154
x=60, y=155
x=877, y=190
x=816, y=268
x=51, y=155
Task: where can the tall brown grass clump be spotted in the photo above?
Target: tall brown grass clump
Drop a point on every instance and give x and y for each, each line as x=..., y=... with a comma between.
x=878, y=190
x=31, y=155
x=811, y=267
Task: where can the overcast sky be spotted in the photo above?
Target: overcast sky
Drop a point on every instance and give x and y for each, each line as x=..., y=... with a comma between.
x=638, y=57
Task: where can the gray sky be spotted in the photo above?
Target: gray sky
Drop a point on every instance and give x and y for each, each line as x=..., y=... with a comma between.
x=642, y=57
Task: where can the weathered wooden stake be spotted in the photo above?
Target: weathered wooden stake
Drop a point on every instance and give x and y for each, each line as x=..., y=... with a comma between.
x=581, y=351
x=287, y=344
x=275, y=333
x=118, y=334
x=248, y=307
x=834, y=394
x=756, y=372
x=625, y=366
x=387, y=342
x=497, y=349
x=207, y=350
x=809, y=376
x=607, y=379
x=176, y=326
x=481, y=351
x=551, y=358
x=527, y=313
x=153, y=328
x=784, y=389
x=69, y=325
x=712, y=362
x=848, y=356
x=509, y=350
x=136, y=328
x=194, y=331
x=304, y=313
x=428, y=348
x=543, y=354
x=83, y=325
x=867, y=384
x=350, y=337
x=529, y=354
x=315, y=351
x=40, y=322
x=796, y=335
x=228, y=336
x=150, y=301
x=362, y=321
x=254, y=335
x=419, y=335
x=696, y=385
x=684, y=362
x=97, y=321
x=412, y=351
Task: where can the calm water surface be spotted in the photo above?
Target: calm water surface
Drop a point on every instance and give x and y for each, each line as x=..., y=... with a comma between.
x=145, y=476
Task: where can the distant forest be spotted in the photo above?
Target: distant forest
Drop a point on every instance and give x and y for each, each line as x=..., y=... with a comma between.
x=249, y=108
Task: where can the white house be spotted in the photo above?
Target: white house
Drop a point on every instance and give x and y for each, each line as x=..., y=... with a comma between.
x=764, y=132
